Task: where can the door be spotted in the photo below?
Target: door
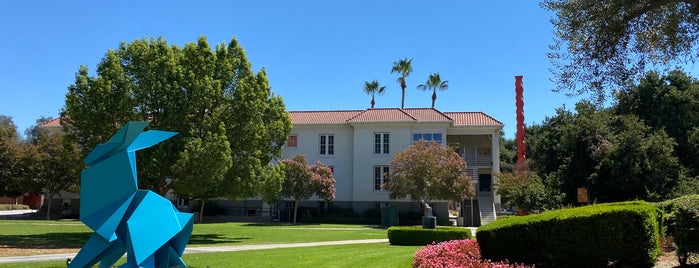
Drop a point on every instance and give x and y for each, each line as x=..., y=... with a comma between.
x=484, y=182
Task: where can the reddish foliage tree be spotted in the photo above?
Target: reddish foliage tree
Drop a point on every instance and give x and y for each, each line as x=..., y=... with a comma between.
x=428, y=171
x=302, y=181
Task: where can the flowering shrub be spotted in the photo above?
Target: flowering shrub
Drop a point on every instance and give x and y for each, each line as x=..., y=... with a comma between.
x=456, y=253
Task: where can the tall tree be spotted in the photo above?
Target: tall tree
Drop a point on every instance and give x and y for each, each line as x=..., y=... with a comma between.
x=372, y=88
x=434, y=82
x=53, y=163
x=616, y=157
x=670, y=103
x=404, y=68
x=190, y=90
x=428, y=171
x=199, y=176
x=9, y=155
x=302, y=181
x=602, y=45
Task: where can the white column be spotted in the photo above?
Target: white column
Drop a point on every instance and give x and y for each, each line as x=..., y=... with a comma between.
x=495, y=151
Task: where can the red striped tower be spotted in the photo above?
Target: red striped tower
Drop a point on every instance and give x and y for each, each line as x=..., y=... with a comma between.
x=519, y=101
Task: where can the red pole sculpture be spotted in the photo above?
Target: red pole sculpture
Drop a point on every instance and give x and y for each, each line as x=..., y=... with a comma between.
x=521, y=145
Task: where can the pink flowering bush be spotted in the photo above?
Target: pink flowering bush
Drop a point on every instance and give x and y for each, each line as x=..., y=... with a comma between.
x=455, y=253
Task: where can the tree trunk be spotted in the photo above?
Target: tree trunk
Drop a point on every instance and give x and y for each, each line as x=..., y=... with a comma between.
x=434, y=97
x=48, y=206
x=402, y=99
x=296, y=208
x=372, y=102
x=201, y=211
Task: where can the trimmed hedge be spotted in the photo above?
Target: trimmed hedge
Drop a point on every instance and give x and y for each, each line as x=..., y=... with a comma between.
x=683, y=224
x=625, y=233
x=13, y=206
x=417, y=236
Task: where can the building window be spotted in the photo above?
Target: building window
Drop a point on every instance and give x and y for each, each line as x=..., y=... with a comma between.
x=381, y=143
x=292, y=141
x=380, y=177
x=436, y=137
x=327, y=144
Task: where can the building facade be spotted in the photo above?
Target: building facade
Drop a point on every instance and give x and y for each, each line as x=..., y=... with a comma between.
x=359, y=145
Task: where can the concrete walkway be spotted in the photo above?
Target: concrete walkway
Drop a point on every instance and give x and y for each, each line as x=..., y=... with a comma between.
x=195, y=250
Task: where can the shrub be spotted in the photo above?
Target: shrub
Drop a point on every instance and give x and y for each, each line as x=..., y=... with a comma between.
x=625, y=233
x=13, y=206
x=417, y=236
x=682, y=222
x=455, y=253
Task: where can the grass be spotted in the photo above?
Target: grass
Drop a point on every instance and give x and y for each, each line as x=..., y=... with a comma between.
x=360, y=255
x=32, y=234
x=72, y=234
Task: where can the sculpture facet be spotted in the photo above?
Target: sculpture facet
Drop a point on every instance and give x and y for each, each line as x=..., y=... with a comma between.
x=127, y=220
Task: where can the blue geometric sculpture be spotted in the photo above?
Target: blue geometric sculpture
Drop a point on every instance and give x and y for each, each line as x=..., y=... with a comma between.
x=140, y=223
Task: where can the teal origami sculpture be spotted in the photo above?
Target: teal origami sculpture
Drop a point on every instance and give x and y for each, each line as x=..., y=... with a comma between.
x=125, y=219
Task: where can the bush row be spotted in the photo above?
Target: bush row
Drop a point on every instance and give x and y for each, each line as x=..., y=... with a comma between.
x=455, y=253
x=682, y=221
x=417, y=236
x=625, y=233
x=13, y=206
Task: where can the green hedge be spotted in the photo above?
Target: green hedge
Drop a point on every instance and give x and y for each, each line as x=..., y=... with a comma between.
x=417, y=236
x=683, y=224
x=625, y=233
x=13, y=206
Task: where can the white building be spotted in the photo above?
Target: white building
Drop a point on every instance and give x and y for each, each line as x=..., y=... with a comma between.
x=359, y=145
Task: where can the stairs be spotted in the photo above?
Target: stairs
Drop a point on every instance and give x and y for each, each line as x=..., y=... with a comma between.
x=486, y=207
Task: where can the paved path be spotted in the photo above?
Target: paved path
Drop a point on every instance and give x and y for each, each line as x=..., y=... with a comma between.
x=194, y=250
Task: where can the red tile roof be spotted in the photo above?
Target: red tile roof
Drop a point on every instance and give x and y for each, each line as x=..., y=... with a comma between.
x=393, y=115
x=53, y=123
x=472, y=119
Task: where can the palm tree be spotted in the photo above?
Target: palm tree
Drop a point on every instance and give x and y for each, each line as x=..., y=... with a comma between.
x=404, y=68
x=372, y=88
x=434, y=82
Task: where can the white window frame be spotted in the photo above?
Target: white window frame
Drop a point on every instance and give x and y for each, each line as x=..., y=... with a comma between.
x=382, y=178
x=326, y=144
x=383, y=144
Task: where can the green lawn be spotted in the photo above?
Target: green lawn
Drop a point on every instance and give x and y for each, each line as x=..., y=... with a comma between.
x=72, y=234
x=361, y=255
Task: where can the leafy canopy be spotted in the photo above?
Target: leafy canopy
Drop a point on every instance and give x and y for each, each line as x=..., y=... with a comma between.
x=603, y=45
x=428, y=171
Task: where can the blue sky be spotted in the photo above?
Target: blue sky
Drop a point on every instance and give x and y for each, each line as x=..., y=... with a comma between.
x=317, y=53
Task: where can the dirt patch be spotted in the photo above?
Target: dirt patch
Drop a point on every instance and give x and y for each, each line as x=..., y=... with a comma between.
x=9, y=252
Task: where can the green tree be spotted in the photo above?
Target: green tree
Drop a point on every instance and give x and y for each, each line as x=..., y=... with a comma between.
x=428, y=171
x=9, y=156
x=434, y=82
x=302, y=181
x=522, y=189
x=272, y=182
x=190, y=90
x=602, y=45
x=52, y=162
x=635, y=162
x=202, y=166
x=404, y=68
x=372, y=88
x=669, y=102
x=508, y=154
x=616, y=157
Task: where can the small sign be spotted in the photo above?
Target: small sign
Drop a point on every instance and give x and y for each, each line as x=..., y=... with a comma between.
x=582, y=195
